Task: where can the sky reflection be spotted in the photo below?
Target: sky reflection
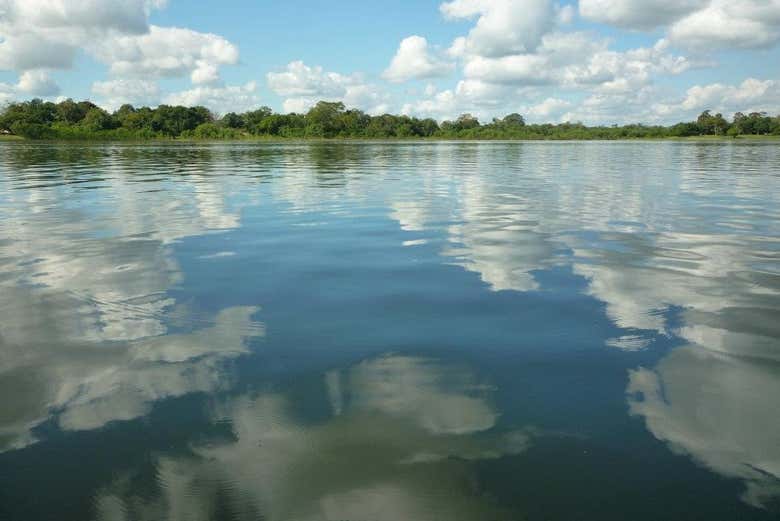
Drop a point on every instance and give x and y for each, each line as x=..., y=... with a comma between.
x=388, y=331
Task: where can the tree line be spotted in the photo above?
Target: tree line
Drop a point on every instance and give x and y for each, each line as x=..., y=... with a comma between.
x=38, y=119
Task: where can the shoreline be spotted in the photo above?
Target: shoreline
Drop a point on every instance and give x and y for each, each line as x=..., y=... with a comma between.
x=355, y=140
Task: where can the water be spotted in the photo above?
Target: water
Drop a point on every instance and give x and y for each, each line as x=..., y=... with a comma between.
x=429, y=331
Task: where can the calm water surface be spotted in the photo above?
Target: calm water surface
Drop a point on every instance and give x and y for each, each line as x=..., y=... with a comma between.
x=360, y=332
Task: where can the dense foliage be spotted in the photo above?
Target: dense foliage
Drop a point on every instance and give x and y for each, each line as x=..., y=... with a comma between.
x=37, y=119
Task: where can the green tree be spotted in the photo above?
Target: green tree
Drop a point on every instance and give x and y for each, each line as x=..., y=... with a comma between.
x=253, y=120
x=123, y=113
x=232, y=120
x=466, y=121
x=33, y=112
x=324, y=119
x=353, y=123
x=513, y=120
x=97, y=119
x=138, y=119
x=70, y=112
x=172, y=121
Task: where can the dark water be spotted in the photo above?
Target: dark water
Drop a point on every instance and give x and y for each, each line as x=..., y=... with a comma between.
x=551, y=331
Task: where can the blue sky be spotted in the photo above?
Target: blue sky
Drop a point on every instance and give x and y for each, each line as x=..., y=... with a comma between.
x=598, y=61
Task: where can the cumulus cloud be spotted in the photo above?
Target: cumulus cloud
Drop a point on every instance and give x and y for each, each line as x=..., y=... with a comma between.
x=303, y=86
x=128, y=16
x=41, y=33
x=476, y=97
x=749, y=96
x=114, y=93
x=231, y=98
x=527, y=69
x=44, y=34
x=518, y=56
x=298, y=79
x=503, y=27
x=22, y=52
x=167, y=52
x=638, y=14
x=729, y=24
x=616, y=107
x=570, y=61
x=37, y=83
x=575, y=59
x=549, y=108
x=414, y=61
x=439, y=105
x=701, y=24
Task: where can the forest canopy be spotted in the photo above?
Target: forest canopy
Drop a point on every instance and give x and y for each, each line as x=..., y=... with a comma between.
x=38, y=119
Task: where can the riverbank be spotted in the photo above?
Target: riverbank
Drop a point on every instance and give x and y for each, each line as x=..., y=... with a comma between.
x=357, y=140
x=84, y=121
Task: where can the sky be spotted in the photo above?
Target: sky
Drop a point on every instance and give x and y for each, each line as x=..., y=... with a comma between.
x=595, y=61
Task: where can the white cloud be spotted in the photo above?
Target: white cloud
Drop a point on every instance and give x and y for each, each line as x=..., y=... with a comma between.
x=167, y=52
x=303, y=86
x=616, y=107
x=231, y=98
x=414, y=61
x=127, y=16
x=517, y=56
x=115, y=93
x=749, y=96
x=440, y=105
x=700, y=24
x=46, y=34
x=29, y=51
x=298, y=105
x=37, y=83
x=638, y=14
x=503, y=27
x=458, y=47
x=298, y=79
x=476, y=97
x=548, y=108
x=730, y=24
x=205, y=73
x=367, y=97
x=576, y=60
x=526, y=69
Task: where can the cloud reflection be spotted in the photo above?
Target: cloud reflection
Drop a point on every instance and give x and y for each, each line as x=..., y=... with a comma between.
x=720, y=409
x=84, y=384
x=86, y=336
x=713, y=398
x=396, y=446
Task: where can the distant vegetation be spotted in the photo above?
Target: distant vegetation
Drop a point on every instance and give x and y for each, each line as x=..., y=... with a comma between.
x=37, y=119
